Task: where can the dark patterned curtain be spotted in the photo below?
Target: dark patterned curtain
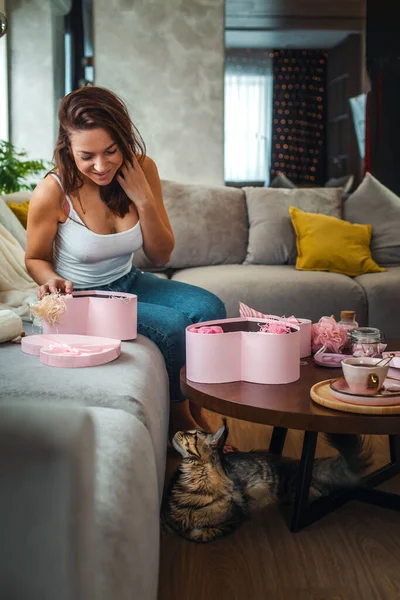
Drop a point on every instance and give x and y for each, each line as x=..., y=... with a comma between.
x=298, y=130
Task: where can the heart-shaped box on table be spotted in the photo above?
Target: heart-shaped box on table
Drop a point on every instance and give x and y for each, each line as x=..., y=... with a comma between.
x=105, y=314
x=242, y=353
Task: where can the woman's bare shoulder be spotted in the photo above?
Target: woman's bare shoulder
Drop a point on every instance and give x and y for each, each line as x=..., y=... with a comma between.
x=147, y=163
x=150, y=170
x=47, y=195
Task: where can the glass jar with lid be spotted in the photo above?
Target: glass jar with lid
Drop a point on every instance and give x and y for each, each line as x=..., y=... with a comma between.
x=348, y=323
x=365, y=341
x=348, y=320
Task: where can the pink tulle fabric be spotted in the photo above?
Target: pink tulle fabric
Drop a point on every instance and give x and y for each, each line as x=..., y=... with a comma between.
x=275, y=327
x=211, y=329
x=327, y=332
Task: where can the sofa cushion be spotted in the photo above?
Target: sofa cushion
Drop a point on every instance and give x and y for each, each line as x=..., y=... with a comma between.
x=329, y=244
x=345, y=182
x=383, y=294
x=280, y=290
x=281, y=181
x=272, y=240
x=209, y=224
x=18, y=197
x=374, y=203
x=20, y=210
x=11, y=223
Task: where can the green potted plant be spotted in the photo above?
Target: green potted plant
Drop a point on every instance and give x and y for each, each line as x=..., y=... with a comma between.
x=14, y=170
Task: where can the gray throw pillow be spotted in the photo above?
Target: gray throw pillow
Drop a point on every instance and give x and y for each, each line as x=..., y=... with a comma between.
x=281, y=181
x=272, y=240
x=374, y=204
x=345, y=182
x=209, y=224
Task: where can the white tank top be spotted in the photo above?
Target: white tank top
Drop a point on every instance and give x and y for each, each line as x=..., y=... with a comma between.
x=91, y=259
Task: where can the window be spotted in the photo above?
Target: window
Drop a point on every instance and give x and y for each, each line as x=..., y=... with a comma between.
x=248, y=120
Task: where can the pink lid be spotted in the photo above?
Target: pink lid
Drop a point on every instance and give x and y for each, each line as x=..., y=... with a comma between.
x=71, y=351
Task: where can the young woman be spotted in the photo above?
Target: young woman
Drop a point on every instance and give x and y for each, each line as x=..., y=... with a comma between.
x=103, y=202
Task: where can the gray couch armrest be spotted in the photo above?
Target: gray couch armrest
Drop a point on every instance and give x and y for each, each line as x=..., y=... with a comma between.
x=46, y=503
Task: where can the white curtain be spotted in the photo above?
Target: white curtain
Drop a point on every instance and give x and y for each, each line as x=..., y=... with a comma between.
x=248, y=115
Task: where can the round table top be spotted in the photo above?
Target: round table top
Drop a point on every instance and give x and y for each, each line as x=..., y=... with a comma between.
x=287, y=405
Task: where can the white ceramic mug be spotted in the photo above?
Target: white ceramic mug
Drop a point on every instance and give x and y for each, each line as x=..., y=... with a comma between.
x=362, y=376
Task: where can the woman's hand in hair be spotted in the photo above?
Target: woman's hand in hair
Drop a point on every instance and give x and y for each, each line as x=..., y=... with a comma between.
x=54, y=285
x=141, y=183
x=134, y=183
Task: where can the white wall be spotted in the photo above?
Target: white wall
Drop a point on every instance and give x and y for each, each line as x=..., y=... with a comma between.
x=166, y=60
x=3, y=82
x=31, y=78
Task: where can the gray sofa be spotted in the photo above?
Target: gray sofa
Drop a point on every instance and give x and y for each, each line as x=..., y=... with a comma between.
x=240, y=244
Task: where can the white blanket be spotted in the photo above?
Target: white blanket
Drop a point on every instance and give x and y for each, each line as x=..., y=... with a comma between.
x=17, y=289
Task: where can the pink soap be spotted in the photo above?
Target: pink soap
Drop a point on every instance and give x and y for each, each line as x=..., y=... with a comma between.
x=242, y=353
x=106, y=314
x=71, y=351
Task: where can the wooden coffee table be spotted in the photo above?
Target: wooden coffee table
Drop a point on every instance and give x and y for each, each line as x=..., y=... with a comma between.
x=289, y=406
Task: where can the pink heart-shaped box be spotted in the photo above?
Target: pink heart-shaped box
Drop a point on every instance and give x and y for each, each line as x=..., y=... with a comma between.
x=242, y=353
x=106, y=314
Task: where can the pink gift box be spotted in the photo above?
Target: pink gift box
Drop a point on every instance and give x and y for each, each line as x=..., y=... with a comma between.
x=71, y=351
x=242, y=353
x=305, y=337
x=106, y=314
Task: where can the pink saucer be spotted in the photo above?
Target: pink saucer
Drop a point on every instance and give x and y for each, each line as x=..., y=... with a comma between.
x=341, y=391
x=71, y=351
x=327, y=359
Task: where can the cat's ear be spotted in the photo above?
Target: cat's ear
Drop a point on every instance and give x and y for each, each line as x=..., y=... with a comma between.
x=219, y=438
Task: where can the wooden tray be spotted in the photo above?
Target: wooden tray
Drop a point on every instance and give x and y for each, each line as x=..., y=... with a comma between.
x=321, y=394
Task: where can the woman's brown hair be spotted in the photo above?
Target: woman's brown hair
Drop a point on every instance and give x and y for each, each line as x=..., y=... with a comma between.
x=92, y=108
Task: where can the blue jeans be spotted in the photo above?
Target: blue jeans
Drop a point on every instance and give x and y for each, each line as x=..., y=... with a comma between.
x=165, y=309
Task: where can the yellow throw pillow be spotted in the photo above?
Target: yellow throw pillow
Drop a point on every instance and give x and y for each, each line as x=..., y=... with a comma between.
x=20, y=210
x=329, y=244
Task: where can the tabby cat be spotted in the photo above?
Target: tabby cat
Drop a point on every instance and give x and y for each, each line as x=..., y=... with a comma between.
x=213, y=492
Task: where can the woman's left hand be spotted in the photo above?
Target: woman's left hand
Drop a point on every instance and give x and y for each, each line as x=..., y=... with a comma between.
x=132, y=180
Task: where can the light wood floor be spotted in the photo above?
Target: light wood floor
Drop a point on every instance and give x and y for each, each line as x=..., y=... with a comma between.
x=352, y=554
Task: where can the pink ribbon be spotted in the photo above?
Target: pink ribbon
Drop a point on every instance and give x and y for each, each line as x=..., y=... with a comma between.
x=247, y=311
x=75, y=350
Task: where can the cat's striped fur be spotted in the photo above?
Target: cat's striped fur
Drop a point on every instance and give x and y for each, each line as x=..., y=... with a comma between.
x=213, y=492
